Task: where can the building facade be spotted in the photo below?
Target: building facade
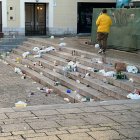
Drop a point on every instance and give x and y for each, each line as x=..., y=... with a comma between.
x=47, y=17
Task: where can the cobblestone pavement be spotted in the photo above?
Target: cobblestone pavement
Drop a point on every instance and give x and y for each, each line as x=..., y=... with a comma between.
x=112, y=120
x=14, y=89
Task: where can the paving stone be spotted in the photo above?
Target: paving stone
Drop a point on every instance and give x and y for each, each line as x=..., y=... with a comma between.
x=72, y=116
x=3, y=116
x=79, y=131
x=44, y=138
x=71, y=110
x=72, y=122
x=77, y=136
x=116, y=107
x=23, y=132
x=5, y=134
x=11, y=138
x=44, y=124
x=124, y=118
x=106, y=135
x=20, y=114
x=11, y=121
x=97, y=119
x=33, y=135
x=56, y=132
x=48, y=130
x=130, y=133
x=68, y=128
x=100, y=128
x=15, y=127
x=4, y=110
x=93, y=109
x=45, y=112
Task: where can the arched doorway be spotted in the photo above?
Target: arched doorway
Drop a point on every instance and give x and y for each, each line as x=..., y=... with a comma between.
x=35, y=19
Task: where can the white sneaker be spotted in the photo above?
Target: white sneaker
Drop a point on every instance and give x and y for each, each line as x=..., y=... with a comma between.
x=100, y=51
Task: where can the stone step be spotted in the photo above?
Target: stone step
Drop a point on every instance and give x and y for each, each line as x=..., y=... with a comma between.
x=94, y=83
x=91, y=62
x=78, y=52
x=124, y=84
x=83, y=89
x=60, y=90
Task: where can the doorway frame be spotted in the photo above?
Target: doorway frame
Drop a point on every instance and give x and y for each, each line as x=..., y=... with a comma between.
x=35, y=31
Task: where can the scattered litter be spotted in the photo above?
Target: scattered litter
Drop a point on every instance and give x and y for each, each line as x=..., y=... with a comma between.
x=46, y=90
x=66, y=99
x=34, y=82
x=41, y=73
x=20, y=104
x=26, y=54
x=52, y=37
x=68, y=91
x=18, y=71
x=71, y=67
x=38, y=55
x=18, y=60
x=48, y=49
x=55, y=63
x=120, y=66
x=57, y=83
x=4, y=62
x=131, y=80
x=78, y=81
x=74, y=53
x=62, y=44
x=23, y=76
x=36, y=49
x=110, y=73
x=120, y=75
x=97, y=45
x=87, y=74
x=132, y=69
x=134, y=95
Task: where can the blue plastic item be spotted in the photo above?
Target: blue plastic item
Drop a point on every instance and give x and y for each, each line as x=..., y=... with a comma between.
x=68, y=91
x=122, y=3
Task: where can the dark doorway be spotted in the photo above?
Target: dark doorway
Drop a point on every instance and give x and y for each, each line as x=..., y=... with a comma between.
x=35, y=19
x=0, y=17
x=85, y=11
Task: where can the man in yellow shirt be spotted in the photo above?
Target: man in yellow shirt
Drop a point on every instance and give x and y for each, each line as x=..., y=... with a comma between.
x=103, y=23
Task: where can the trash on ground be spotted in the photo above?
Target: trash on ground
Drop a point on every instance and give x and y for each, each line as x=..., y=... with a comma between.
x=66, y=99
x=68, y=91
x=18, y=71
x=70, y=67
x=26, y=54
x=62, y=44
x=120, y=66
x=57, y=83
x=36, y=49
x=120, y=75
x=131, y=80
x=23, y=76
x=52, y=37
x=132, y=69
x=20, y=104
x=38, y=55
x=97, y=45
x=134, y=95
x=78, y=81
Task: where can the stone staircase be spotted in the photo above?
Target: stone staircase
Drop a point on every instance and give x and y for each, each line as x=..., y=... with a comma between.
x=95, y=86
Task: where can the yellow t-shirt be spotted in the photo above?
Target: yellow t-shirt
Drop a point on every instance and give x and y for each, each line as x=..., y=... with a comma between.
x=103, y=22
